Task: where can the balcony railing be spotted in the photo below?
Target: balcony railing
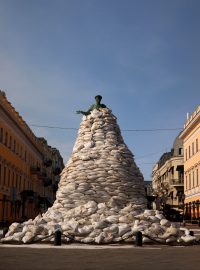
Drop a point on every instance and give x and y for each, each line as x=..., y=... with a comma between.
x=56, y=171
x=47, y=162
x=44, y=200
x=35, y=170
x=42, y=175
x=28, y=194
x=47, y=181
x=176, y=182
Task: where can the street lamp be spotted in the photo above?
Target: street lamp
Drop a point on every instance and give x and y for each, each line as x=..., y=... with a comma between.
x=183, y=207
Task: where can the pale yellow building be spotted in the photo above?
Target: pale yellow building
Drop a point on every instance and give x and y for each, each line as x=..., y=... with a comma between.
x=167, y=180
x=191, y=140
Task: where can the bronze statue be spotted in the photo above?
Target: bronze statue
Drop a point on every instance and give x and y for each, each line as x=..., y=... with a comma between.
x=96, y=106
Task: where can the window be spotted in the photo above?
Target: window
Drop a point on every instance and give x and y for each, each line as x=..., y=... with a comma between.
x=192, y=148
x=17, y=150
x=180, y=151
x=13, y=179
x=14, y=146
x=20, y=154
x=6, y=206
x=17, y=180
x=10, y=142
x=193, y=179
x=6, y=139
x=4, y=175
x=185, y=154
x=197, y=176
x=197, y=147
x=8, y=178
x=186, y=183
x=1, y=135
x=189, y=152
x=25, y=155
x=0, y=173
x=20, y=179
x=189, y=184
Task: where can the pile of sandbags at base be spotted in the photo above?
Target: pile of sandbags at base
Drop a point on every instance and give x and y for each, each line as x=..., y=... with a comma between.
x=101, y=194
x=117, y=226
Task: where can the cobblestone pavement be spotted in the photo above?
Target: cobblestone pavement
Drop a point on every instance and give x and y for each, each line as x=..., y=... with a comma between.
x=85, y=257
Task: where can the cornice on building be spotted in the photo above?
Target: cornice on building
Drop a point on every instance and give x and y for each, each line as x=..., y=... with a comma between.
x=18, y=120
x=190, y=123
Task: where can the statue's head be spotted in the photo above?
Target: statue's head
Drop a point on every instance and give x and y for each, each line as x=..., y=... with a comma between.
x=98, y=98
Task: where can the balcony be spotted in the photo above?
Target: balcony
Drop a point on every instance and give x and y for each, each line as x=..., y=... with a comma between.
x=42, y=175
x=47, y=181
x=28, y=194
x=35, y=170
x=57, y=171
x=47, y=162
x=176, y=182
x=46, y=201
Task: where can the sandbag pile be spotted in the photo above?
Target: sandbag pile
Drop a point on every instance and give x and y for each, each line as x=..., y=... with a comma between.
x=101, y=195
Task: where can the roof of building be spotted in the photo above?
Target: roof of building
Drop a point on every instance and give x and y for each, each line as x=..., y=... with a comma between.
x=191, y=122
x=178, y=143
x=175, y=152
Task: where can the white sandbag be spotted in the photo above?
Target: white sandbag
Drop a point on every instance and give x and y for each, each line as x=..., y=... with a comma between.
x=87, y=240
x=28, y=237
x=126, y=209
x=18, y=236
x=146, y=240
x=127, y=235
x=70, y=187
x=148, y=212
x=172, y=231
x=113, y=219
x=171, y=239
x=124, y=219
x=101, y=205
x=165, y=222
x=85, y=229
x=123, y=229
x=73, y=224
x=101, y=224
x=153, y=219
x=188, y=238
x=99, y=239
x=160, y=216
x=28, y=222
x=14, y=227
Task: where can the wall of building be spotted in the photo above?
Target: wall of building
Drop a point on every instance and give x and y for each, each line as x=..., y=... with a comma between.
x=167, y=179
x=25, y=180
x=191, y=141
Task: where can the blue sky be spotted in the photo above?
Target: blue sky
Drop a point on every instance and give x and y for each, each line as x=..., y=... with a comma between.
x=142, y=56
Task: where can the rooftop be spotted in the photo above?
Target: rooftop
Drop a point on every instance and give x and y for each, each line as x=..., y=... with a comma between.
x=193, y=115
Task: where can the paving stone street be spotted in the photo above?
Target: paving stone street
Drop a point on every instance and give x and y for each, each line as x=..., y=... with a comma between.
x=87, y=257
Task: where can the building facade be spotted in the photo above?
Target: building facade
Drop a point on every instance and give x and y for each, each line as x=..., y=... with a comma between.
x=149, y=194
x=191, y=140
x=29, y=168
x=167, y=180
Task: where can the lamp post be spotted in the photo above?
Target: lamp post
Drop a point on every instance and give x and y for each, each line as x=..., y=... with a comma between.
x=183, y=207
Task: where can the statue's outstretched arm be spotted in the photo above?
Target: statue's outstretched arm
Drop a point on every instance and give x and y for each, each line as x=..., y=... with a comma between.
x=88, y=111
x=84, y=113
